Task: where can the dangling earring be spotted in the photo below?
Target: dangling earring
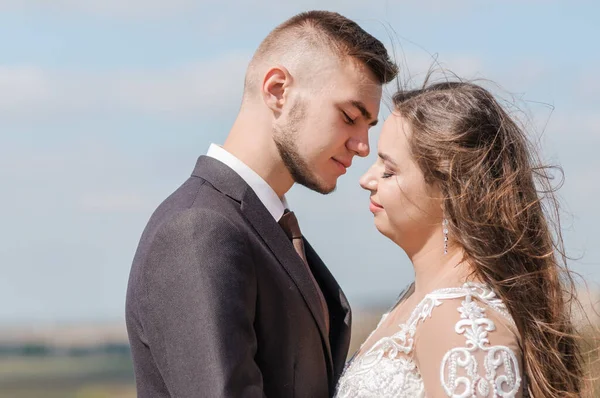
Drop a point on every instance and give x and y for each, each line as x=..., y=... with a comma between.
x=445, y=230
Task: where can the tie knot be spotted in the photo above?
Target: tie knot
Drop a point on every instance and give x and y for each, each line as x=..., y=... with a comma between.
x=289, y=224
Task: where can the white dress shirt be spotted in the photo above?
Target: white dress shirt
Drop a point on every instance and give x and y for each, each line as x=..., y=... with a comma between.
x=265, y=193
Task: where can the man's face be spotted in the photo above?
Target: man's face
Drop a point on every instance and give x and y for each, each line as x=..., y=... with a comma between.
x=325, y=123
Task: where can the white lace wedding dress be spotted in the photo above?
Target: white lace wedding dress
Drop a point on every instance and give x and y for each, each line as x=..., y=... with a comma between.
x=457, y=342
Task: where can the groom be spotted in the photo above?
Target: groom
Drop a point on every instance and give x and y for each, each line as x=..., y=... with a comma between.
x=225, y=296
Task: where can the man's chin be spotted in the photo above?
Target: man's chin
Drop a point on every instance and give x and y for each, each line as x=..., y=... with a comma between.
x=329, y=190
x=326, y=188
x=319, y=186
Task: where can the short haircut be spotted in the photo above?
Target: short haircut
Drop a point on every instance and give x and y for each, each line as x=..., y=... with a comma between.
x=328, y=30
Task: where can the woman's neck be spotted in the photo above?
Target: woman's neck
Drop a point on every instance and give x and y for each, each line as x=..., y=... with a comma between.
x=434, y=270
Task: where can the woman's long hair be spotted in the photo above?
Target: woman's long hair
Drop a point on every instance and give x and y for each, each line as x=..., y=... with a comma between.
x=502, y=211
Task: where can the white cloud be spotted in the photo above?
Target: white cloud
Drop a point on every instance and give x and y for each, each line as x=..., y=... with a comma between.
x=158, y=9
x=588, y=85
x=28, y=92
x=242, y=9
x=214, y=86
x=78, y=177
x=23, y=87
x=115, y=202
x=414, y=65
x=144, y=8
x=577, y=129
x=72, y=215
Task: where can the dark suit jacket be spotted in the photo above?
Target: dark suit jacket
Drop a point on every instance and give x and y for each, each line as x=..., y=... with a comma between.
x=220, y=305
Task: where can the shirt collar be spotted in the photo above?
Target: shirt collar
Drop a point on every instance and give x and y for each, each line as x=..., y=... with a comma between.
x=261, y=188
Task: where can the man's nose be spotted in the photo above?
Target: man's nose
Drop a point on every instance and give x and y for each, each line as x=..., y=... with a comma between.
x=360, y=146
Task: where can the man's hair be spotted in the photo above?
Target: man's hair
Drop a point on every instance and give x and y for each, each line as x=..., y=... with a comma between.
x=329, y=31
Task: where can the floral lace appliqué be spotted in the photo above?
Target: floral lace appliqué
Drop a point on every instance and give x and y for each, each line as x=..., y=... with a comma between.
x=501, y=376
x=387, y=369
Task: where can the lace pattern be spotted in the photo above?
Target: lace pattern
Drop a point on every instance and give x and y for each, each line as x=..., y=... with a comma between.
x=475, y=327
x=388, y=369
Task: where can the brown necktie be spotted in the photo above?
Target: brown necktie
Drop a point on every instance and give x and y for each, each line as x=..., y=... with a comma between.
x=289, y=224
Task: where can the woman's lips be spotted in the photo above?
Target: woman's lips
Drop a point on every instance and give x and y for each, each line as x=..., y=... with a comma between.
x=375, y=207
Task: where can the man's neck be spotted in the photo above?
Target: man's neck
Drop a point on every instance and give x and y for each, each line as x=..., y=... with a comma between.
x=258, y=151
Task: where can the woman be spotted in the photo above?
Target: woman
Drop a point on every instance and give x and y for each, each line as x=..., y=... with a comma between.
x=455, y=187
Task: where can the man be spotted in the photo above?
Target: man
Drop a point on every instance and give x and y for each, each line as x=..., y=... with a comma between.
x=225, y=297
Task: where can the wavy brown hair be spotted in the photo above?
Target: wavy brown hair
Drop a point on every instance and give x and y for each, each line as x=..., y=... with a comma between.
x=502, y=211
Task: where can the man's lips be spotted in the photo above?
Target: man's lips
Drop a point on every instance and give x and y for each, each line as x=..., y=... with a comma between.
x=345, y=163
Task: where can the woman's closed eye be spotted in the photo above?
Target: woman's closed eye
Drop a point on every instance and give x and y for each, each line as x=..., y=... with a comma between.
x=387, y=174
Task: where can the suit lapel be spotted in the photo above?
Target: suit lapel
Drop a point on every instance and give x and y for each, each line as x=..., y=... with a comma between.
x=282, y=248
x=339, y=310
x=231, y=184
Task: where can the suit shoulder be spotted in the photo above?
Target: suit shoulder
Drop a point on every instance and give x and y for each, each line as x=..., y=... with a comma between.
x=199, y=220
x=194, y=209
x=195, y=199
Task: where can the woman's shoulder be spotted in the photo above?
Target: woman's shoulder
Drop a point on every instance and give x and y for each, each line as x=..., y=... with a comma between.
x=467, y=333
x=470, y=296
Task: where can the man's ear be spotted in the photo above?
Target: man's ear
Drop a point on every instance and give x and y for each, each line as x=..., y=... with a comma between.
x=275, y=86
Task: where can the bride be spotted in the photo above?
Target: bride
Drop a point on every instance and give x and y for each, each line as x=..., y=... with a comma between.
x=457, y=188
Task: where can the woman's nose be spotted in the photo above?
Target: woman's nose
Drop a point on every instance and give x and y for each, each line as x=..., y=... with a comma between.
x=368, y=181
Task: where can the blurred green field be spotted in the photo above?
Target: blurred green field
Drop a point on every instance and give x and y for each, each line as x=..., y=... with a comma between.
x=98, y=376
x=111, y=376
x=102, y=390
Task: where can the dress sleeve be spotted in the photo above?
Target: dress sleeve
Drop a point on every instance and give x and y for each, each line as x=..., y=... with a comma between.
x=467, y=349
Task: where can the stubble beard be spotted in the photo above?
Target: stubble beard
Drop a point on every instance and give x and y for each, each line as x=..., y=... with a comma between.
x=285, y=139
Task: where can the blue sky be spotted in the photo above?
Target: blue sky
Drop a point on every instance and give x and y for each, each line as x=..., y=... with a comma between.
x=105, y=106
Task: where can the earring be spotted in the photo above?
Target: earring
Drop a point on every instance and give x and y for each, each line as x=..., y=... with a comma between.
x=445, y=230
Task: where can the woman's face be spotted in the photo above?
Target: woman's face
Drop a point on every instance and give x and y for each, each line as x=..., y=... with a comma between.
x=407, y=209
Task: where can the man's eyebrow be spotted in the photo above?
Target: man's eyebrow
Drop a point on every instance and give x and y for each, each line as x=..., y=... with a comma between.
x=387, y=158
x=363, y=110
